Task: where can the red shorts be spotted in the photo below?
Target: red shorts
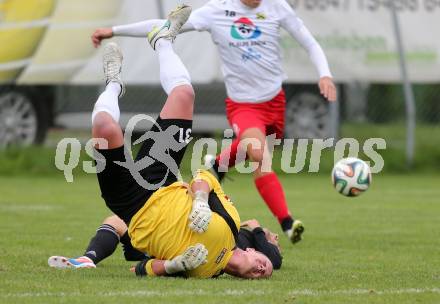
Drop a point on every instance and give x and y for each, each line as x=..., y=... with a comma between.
x=267, y=116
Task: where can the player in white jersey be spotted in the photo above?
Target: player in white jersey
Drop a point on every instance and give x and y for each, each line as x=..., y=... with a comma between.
x=247, y=34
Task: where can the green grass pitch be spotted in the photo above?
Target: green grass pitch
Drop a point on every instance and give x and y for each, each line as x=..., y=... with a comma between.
x=382, y=247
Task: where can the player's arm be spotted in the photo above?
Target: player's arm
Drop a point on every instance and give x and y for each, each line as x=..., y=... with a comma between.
x=201, y=213
x=138, y=29
x=193, y=257
x=199, y=20
x=296, y=28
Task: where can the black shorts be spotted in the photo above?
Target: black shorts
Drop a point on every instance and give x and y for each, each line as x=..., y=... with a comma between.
x=125, y=192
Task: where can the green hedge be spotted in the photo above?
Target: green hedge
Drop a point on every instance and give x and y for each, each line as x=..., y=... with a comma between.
x=386, y=103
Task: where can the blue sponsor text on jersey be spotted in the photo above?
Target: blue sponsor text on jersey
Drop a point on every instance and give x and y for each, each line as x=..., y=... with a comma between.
x=250, y=54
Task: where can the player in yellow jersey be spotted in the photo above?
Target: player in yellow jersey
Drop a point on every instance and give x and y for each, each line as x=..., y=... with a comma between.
x=113, y=231
x=189, y=229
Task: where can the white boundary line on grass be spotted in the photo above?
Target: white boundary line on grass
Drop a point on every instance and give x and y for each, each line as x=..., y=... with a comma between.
x=227, y=292
x=308, y=292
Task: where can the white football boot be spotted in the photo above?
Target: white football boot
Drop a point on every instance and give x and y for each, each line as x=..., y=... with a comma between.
x=73, y=263
x=176, y=19
x=112, y=63
x=295, y=233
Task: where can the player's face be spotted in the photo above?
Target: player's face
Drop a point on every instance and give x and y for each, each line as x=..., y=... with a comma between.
x=256, y=265
x=252, y=3
x=272, y=238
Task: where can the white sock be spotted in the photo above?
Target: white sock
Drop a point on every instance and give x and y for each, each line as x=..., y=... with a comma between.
x=172, y=71
x=108, y=102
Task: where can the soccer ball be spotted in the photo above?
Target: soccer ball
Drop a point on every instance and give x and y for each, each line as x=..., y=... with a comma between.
x=351, y=176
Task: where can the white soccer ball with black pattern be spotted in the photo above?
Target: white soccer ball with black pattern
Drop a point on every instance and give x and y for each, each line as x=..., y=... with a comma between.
x=351, y=176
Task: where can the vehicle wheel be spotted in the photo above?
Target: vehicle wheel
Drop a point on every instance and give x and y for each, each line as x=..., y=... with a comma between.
x=21, y=121
x=307, y=116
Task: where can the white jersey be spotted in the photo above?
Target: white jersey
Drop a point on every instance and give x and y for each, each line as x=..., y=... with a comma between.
x=248, y=43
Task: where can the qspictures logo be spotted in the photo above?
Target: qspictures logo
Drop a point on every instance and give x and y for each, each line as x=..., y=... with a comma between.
x=294, y=152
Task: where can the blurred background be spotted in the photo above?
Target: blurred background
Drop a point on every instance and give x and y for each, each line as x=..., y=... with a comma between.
x=50, y=76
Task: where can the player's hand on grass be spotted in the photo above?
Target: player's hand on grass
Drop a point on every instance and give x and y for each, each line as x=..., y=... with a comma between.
x=201, y=214
x=192, y=258
x=328, y=88
x=250, y=224
x=101, y=34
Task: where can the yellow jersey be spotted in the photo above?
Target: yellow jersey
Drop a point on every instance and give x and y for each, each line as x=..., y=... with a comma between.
x=161, y=229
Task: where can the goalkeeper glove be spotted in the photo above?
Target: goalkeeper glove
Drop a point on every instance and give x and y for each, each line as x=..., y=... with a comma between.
x=192, y=258
x=201, y=213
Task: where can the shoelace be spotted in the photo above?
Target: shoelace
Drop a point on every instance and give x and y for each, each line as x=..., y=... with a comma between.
x=173, y=31
x=111, y=69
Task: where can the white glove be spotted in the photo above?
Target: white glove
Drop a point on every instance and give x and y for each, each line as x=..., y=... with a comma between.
x=192, y=258
x=201, y=213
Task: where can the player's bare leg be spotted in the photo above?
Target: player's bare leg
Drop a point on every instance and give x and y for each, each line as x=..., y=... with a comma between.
x=106, y=113
x=112, y=231
x=269, y=186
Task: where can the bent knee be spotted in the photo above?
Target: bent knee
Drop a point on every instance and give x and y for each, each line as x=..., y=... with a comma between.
x=104, y=128
x=255, y=154
x=254, y=140
x=116, y=223
x=187, y=94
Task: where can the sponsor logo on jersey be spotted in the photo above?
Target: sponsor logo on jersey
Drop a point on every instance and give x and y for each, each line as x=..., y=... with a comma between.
x=250, y=54
x=221, y=255
x=261, y=16
x=244, y=29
